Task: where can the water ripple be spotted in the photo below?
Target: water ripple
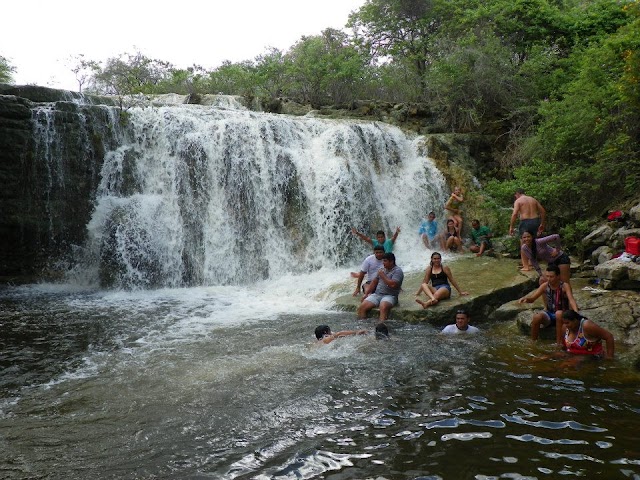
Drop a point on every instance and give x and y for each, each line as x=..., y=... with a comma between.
x=546, y=441
x=553, y=425
x=571, y=456
x=465, y=437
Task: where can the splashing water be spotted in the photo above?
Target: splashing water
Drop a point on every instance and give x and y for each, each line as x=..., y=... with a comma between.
x=206, y=196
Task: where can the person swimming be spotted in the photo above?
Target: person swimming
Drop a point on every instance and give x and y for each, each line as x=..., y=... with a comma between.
x=325, y=335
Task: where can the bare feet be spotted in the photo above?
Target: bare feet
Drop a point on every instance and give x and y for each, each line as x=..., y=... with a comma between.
x=427, y=303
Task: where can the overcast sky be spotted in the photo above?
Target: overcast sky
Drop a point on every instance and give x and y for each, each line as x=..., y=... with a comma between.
x=38, y=36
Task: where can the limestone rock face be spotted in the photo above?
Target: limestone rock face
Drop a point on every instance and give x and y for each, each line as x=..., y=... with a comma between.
x=51, y=153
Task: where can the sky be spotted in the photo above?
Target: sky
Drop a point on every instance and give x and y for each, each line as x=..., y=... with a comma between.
x=39, y=37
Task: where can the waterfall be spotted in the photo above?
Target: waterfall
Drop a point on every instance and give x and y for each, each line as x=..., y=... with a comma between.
x=69, y=140
x=196, y=195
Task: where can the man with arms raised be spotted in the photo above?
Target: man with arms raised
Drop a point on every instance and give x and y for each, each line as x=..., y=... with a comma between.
x=383, y=291
x=381, y=239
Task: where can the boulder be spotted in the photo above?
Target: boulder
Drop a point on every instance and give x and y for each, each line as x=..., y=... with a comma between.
x=634, y=214
x=597, y=238
x=618, y=274
x=601, y=254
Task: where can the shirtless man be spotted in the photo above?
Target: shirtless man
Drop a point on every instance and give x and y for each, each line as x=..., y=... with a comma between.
x=531, y=213
x=532, y=216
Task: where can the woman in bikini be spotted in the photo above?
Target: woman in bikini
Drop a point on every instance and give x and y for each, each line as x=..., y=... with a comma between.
x=454, y=205
x=452, y=238
x=441, y=280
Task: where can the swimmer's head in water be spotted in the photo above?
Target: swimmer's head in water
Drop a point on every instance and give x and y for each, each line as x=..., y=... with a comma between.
x=382, y=331
x=322, y=330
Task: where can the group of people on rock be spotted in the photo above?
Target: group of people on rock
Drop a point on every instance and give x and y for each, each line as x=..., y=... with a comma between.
x=451, y=238
x=380, y=279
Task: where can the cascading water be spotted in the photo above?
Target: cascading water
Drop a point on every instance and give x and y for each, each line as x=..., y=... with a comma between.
x=62, y=170
x=210, y=196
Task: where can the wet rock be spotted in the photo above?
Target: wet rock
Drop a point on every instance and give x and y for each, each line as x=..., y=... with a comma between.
x=617, y=311
x=491, y=282
x=618, y=274
x=47, y=195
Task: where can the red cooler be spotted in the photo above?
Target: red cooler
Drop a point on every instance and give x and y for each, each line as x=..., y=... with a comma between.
x=632, y=245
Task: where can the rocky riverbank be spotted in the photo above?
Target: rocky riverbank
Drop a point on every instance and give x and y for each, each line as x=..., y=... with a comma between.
x=495, y=285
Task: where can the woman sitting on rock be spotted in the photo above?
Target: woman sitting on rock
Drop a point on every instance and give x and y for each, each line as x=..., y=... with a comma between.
x=441, y=280
x=452, y=238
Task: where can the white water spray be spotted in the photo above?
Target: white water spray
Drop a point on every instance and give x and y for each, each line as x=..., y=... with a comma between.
x=208, y=196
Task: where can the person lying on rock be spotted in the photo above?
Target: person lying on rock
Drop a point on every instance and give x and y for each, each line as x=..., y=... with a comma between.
x=545, y=249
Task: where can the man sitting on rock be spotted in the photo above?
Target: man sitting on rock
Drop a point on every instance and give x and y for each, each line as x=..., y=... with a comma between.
x=558, y=297
x=481, y=236
x=383, y=291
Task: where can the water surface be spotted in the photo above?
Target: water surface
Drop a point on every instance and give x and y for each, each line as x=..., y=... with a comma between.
x=226, y=382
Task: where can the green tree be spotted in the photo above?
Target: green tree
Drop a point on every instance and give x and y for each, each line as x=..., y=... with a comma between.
x=271, y=73
x=233, y=79
x=325, y=68
x=6, y=70
x=399, y=29
x=182, y=81
x=129, y=74
x=474, y=83
x=585, y=153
